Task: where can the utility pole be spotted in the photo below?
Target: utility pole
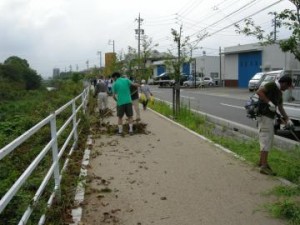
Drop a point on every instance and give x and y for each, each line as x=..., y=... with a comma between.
x=138, y=32
x=220, y=53
x=275, y=28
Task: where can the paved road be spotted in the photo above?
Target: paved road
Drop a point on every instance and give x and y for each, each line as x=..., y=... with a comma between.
x=226, y=103
x=171, y=176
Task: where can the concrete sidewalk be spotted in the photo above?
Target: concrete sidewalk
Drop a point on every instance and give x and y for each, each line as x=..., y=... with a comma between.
x=171, y=176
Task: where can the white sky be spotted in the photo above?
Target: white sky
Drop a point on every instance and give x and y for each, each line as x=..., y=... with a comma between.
x=64, y=33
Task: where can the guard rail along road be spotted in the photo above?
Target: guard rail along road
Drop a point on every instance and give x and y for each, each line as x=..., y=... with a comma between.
x=57, y=152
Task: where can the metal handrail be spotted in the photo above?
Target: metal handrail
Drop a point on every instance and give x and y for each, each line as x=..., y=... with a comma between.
x=56, y=154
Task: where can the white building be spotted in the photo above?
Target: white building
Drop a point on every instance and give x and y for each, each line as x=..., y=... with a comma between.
x=56, y=72
x=243, y=61
x=208, y=66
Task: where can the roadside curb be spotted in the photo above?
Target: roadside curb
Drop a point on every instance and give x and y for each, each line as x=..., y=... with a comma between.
x=242, y=129
x=80, y=190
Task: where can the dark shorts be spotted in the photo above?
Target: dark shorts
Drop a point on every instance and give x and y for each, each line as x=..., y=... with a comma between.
x=124, y=109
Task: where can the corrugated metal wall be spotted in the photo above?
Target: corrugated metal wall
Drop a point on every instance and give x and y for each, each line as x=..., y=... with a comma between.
x=249, y=64
x=160, y=69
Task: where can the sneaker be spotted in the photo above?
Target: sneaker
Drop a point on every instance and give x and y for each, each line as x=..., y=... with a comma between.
x=130, y=133
x=267, y=170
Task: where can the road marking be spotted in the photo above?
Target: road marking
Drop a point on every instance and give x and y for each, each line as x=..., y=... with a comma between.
x=233, y=106
x=188, y=97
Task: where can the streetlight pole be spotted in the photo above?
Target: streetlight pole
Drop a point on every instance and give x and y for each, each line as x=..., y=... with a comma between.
x=100, y=54
x=112, y=42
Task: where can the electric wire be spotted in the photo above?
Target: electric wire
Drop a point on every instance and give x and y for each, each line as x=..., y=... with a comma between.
x=251, y=15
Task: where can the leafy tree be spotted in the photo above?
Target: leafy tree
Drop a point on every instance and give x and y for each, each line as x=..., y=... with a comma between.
x=135, y=66
x=289, y=19
x=32, y=79
x=77, y=77
x=18, y=70
x=130, y=61
x=184, y=47
x=182, y=53
x=11, y=72
x=147, y=52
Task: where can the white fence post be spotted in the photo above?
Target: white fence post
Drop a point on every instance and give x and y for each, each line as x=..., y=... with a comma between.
x=74, y=122
x=55, y=154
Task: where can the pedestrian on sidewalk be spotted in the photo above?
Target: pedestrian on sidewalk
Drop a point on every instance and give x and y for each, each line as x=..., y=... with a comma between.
x=145, y=90
x=271, y=95
x=101, y=93
x=135, y=100
x=121, y=94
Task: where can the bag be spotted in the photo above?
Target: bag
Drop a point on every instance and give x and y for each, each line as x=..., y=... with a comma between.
x=143, y=97
x=151, y=101
x=253, y=107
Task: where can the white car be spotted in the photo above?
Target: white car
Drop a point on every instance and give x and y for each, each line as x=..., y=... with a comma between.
x=254, y=82
x=208, y=81
x=191, y=82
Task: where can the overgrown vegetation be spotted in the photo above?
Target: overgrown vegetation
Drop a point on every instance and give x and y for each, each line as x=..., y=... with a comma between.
x=20, y=109
x=285, y=163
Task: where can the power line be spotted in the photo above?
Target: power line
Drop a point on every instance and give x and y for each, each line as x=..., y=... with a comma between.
x=186, y=6
x=246, y=17
x=263, y=9
x=193, y=6
x=230, y=14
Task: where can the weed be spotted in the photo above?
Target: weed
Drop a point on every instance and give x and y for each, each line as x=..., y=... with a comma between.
x=286, y=209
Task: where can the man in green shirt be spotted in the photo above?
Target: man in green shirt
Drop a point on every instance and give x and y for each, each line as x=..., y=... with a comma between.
x=271, y=95
x=122, y=95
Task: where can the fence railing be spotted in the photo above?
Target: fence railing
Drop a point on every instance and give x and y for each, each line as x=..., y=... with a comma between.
x=57, y=152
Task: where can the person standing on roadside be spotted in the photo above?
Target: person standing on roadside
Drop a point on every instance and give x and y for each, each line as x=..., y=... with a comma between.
x=101, y=93
x=122, y=95
x=135, y=100
x=145, y=89
x=271, y=97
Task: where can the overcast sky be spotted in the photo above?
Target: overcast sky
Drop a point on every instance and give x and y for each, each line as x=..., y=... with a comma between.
x=68, y=33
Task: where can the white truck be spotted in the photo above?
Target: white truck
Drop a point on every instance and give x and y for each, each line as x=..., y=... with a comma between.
x=164, y=80
x=291, y=97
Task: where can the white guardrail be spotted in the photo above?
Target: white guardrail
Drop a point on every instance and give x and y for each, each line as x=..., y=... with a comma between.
x=56, y=155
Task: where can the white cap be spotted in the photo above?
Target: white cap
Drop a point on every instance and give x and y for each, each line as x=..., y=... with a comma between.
x=143, y=81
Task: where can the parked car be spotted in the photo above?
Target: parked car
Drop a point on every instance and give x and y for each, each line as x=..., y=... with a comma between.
x=165, y=79
x=191, y=82
x=207, y=81
x=271, y=76
x=255, y=81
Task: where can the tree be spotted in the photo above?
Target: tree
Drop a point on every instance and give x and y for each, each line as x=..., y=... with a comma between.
x=32, y=79
x=18, y=70
x=289, y=19
x=147, y=51
x=132, y=63
x=184, y=47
